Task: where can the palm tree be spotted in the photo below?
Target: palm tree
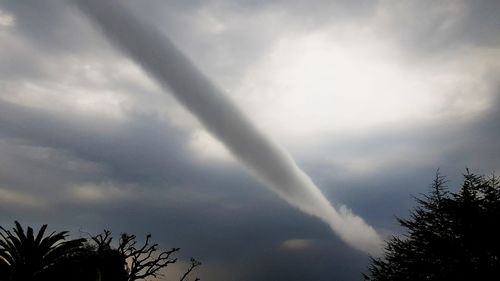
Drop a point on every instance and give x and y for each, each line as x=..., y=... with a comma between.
x=27, y=257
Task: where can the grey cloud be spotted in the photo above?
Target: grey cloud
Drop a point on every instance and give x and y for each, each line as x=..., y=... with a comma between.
x=43, y=168
x=50, y=26
x=210, y=231
x=268, y=161
x=482, y=24
x=248, y=28
x=44, y=38
x=245, y=240
x=44, y=153
x=431, y=28
x=480, y=147
x=141, y=149
x=407, y=159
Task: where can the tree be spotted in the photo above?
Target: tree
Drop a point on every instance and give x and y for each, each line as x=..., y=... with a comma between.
x=450, y=236
x=134, y=261
x=24, y=256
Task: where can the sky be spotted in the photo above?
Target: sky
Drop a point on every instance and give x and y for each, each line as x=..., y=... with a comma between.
x=369, y=98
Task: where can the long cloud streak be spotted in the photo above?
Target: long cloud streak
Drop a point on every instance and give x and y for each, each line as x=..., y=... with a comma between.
x=269, y=162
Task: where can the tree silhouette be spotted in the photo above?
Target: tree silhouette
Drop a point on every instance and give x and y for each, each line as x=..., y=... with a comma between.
x=450, y=236
x=137, y=261
x=24, y=256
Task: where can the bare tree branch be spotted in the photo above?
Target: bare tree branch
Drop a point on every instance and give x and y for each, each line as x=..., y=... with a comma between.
x=144, y=260
x=194, y=263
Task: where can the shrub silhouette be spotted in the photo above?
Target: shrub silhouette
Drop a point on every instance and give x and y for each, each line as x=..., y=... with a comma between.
x=450, y=236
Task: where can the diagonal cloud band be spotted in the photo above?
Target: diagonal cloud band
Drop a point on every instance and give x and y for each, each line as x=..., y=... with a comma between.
x=271, y=164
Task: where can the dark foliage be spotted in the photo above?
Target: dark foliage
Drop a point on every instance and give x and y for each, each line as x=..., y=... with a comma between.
x=26, y=257
x=135, y=261
x=450, y=236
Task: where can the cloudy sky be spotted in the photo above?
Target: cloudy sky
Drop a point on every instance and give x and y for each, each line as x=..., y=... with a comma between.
x=368, y=97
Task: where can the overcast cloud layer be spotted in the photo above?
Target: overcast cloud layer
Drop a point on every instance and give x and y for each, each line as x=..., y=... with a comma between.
x=370, y=97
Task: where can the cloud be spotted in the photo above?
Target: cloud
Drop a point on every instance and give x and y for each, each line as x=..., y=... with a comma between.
x=15, y=199
x=268, y=161
x=296, y=244
x=6, y=19
x=100, y=193
x=207, y=147
x=350, y=79
x=74, y=112
x=433, y=28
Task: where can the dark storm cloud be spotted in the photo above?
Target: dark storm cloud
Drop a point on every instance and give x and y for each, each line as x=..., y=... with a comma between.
x=146, y=152
x=249, y=243
x=406, y=160
x=269, y=162
x=144, y=213
x=480, y=142
x=213, y=210
x=141, y=149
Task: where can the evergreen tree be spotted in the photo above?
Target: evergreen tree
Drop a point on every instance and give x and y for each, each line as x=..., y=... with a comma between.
x=449, y=236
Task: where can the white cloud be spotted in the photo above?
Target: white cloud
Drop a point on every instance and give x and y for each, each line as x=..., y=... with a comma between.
x=335, y=81
x=97, y=193
x=7, y=19
x=206, y=147
x=18, y=199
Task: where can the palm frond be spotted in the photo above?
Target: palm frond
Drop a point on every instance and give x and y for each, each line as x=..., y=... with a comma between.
x=39, y=236
x=28, y=256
